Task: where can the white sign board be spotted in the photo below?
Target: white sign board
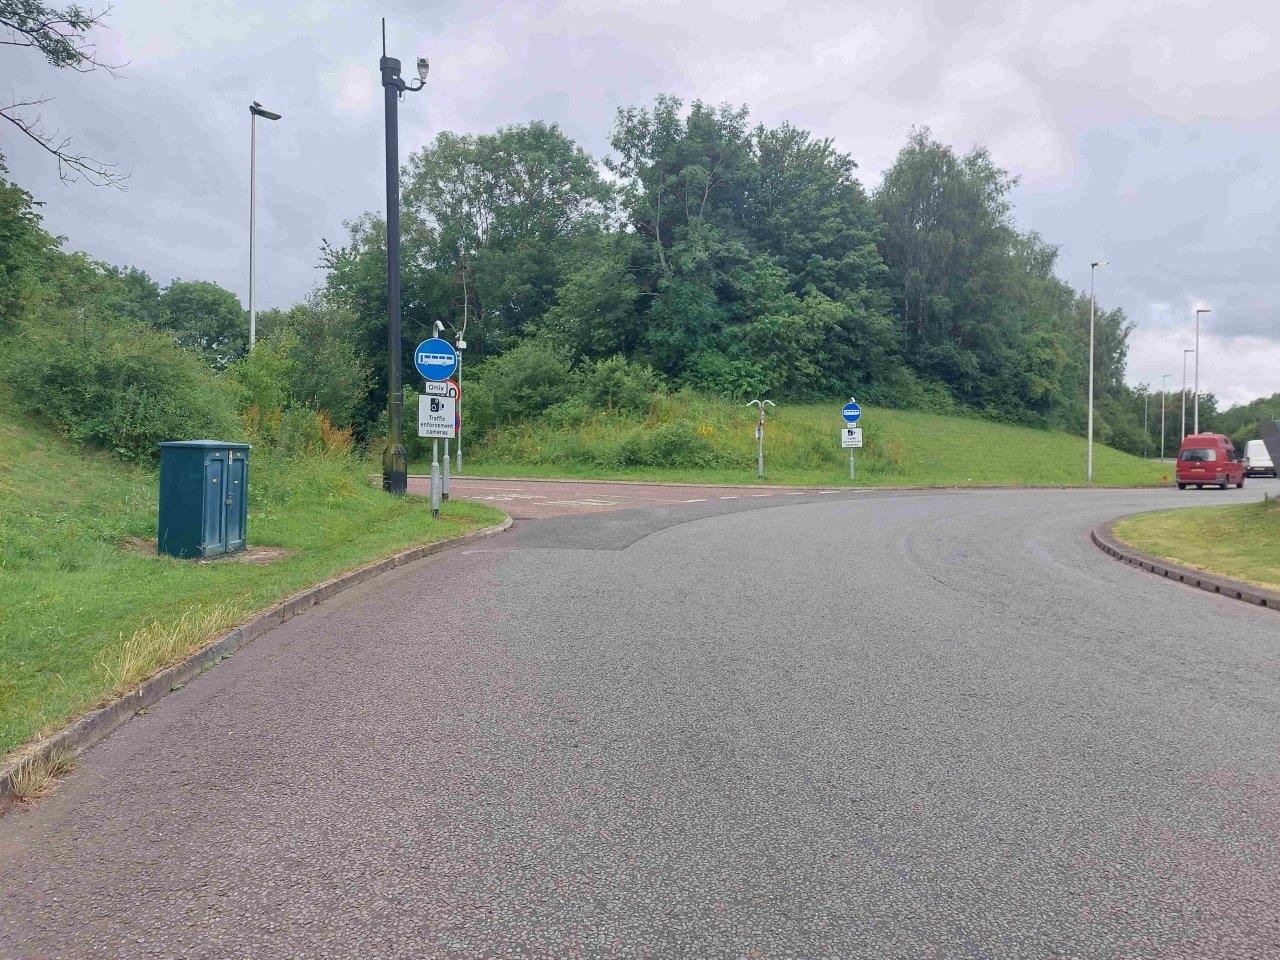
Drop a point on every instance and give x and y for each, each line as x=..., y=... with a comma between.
x=440, y=388
x=436, y=417
x=851, y=437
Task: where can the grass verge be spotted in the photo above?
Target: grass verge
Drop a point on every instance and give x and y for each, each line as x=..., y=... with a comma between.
x=84, y=614
x=1240, y=541
x=692, y=439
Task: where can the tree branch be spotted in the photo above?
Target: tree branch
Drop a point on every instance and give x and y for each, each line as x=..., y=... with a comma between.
x=71, y=166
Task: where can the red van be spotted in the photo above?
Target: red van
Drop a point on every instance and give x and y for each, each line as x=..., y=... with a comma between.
x=1209, y=458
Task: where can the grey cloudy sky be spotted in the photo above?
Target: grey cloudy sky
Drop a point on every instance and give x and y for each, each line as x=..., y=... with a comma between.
x=1145, y=133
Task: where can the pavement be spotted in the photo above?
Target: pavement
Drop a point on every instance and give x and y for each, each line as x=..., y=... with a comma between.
x=538, y=499
x=865, y=724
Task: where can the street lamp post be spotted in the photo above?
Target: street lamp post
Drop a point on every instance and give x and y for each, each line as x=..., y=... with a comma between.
x=256, y=110
x=1184, y=392
x=395, y=461
x=1089, y=446
x=1164, y=391
x=1197, y=393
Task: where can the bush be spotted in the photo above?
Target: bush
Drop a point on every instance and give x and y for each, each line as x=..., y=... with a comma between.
x=668, y=445
x=617, y=384
x=529, y=378
x=126, y=389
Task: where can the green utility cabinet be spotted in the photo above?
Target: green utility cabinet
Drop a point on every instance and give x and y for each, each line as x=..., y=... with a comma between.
x=204, y=487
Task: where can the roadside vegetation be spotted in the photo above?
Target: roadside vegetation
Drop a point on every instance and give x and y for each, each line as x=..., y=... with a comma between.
x=613, y=424
x=1240, y=541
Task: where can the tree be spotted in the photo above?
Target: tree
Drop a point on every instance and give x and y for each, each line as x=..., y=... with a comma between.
x=61, y=36
x=23, y=242
x=207, y=319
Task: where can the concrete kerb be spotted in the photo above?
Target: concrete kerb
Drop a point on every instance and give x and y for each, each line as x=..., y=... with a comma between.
x=1105, y=540
x=94, y=726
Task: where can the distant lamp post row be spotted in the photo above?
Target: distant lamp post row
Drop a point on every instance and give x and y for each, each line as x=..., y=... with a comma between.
x=1093, y=267
x=256, y=110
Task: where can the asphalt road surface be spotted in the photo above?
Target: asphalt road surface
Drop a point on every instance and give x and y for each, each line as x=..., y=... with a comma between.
x=854, y=725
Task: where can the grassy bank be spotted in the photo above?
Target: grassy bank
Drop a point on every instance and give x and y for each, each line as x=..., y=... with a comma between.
x=87, y=610
x=696, y=439
x=1240, y=541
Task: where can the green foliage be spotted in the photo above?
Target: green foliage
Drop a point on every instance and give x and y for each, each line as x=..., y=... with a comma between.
x=207, y=319
x=617, y=384
x=1242, y=423
x=125, y=390
x=22, y=242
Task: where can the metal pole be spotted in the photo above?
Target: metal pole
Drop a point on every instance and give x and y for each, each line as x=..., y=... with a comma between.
x=1088, y=472
x=1146, y=433
x=1196, y=395
x=253, y=226
x=1163, y=392
x=459, y=444
x=435, y=478
x=395, y=461
x=851, y=463
x=444, y=486
x=1184, y=396
x=760, y=449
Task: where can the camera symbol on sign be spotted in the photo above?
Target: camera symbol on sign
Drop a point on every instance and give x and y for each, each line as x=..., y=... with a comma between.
x=436, y=404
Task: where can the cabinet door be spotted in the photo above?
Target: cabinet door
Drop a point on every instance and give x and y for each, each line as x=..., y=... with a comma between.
x=215, y=512
x=237, y=477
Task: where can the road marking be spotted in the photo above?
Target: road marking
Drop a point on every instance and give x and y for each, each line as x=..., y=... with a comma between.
x=794, y=493
x=762, y=495
x=697, y=500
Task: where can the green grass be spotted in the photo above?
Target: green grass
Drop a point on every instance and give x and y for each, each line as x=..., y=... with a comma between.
x=1240, y=541
x=83, y=610
x=694, y=439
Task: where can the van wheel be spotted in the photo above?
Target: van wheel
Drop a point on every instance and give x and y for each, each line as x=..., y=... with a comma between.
x=1223, y=485
x=1182, y=486
x=1199, y=486
x=1240, y=485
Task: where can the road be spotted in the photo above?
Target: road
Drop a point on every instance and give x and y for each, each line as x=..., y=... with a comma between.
x=882, y=724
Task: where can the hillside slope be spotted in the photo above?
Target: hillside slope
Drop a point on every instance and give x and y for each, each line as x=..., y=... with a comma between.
x=692, y=438
x=87, y=609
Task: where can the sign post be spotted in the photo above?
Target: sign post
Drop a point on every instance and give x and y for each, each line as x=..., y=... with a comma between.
x=436, y=360
x=851, y=436
x=760, y=434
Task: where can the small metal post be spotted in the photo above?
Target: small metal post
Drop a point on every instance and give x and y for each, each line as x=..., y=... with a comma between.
x=851, y=463
x=435, y=478
x=444, y=486
x=458, y=446
x=760, y=434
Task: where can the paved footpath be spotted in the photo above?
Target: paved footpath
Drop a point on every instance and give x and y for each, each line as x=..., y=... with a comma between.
x=882, y=724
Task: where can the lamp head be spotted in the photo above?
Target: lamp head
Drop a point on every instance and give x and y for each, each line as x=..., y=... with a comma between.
x=1098, y=263
x=424, y=67
x=258, y=110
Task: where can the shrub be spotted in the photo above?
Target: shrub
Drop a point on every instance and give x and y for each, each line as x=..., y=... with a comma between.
x=529, y=378
x=668, y=445
x=126, y=389
x=618, y=384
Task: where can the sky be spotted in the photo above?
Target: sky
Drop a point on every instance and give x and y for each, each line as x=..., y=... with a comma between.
x=1143, y=133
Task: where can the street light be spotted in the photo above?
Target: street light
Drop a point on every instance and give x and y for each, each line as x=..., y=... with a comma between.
x=1089, y=446
x=256, y=110
x=1184, y=391
x=1197, y=393
x=1164, y=390
x=395, y=461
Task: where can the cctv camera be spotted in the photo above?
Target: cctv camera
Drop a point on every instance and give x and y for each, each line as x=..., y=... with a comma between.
x=423, y=69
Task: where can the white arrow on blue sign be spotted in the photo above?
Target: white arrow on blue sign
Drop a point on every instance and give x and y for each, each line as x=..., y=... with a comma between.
x=851, y=412
x=435, y=359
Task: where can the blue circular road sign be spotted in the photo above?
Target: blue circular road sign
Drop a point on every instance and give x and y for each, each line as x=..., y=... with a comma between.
x=851, y=412
x=435, y=359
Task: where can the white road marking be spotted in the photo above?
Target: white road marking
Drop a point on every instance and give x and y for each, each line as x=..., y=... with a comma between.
x=762, y=495
x=730, y=498
x=697, y=500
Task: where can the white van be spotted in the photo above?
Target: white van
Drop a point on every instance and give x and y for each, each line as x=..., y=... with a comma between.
x=1258, y=460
